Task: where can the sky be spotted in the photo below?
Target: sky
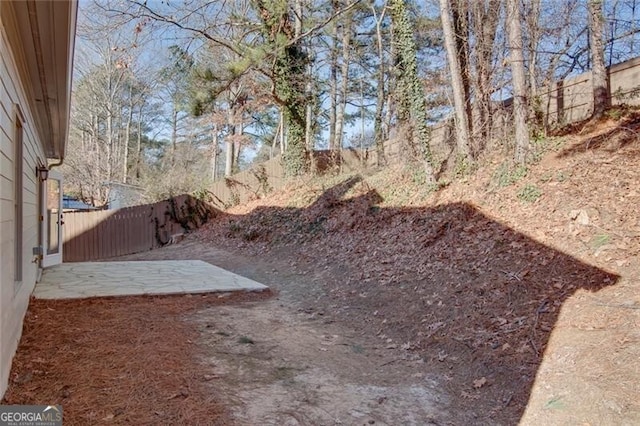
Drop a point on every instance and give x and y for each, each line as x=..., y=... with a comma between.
x=155, y=39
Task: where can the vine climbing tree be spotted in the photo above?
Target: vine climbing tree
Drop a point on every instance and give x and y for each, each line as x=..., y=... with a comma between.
x=289, y=67
x=412, y=107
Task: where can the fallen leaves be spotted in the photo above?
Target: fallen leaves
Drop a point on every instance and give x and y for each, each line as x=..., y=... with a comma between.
x=456, y=283
x=478, y=383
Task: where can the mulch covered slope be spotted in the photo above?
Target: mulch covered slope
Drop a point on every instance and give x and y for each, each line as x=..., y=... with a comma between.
x=127, y=360
x=470, y=278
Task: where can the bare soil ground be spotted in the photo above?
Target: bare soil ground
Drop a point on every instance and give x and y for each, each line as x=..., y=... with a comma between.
x=284, y=361
x=508, y=296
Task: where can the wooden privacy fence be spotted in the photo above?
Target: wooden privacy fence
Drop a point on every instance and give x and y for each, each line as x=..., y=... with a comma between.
x=102, y=234
x=571, y=100
x=94, y=235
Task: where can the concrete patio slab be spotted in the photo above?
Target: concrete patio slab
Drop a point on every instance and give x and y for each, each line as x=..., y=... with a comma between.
x=95, y=279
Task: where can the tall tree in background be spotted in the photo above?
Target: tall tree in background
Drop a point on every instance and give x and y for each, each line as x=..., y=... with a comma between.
x=484, y=25
x=381, y=92
x=333, y=76
x=598, y=70
x=460, y=12
x=223, y=97
x=345, y=29
x=457, y=82
x=174, y=79
x=412, y=108
x=533, y=30
x=289, y=68
x=520, y=108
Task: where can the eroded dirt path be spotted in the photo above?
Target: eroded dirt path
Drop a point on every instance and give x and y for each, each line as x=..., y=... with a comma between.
x=283, y=362
x=281, y=368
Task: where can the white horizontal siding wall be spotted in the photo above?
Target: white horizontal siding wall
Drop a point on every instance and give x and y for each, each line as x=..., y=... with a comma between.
x=14, y=297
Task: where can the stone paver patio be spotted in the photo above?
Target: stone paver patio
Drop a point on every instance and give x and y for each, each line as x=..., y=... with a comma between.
x=94, y=279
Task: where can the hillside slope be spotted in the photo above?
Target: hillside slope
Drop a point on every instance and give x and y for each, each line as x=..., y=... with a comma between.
x=501, y=275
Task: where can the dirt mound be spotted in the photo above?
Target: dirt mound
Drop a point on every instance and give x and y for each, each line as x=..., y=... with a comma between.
x=471, y=277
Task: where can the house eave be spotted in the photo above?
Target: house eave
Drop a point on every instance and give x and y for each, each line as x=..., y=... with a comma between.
x=45, y=34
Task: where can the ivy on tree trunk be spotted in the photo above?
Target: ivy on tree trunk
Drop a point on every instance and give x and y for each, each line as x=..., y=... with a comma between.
x=289, y=69
x=412, y=107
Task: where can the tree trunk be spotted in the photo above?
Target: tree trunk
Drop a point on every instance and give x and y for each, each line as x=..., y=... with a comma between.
x=274, y=142
x=283, y=141
x=109, y=145
x=484, y=27
x=392, y=84
x=460, y=14
x=297, y=18
x=214, y=151
x=532, y=19
x=238, y=145
x=229, y=155
x=308, y=131
x=598, y=70
x=380, y=90
x=333, y=82
x=127, y=135
x=462, y=119
x=139, y=144
x=362, y=121
x=229, y=145
x=344, y=79
x=308, y=137
x=518, y=80
x=174, y=133
x=412, y=107
x=533, y=22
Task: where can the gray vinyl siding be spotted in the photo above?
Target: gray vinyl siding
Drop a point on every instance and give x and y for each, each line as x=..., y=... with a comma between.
x=14, y=297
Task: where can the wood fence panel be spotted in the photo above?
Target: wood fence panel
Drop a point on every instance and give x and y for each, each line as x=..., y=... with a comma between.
x=102, y=234
x=94, y=235
x=624, y=82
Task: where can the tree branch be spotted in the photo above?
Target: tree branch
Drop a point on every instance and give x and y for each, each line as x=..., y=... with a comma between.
x=323, y=23
x=151, y=14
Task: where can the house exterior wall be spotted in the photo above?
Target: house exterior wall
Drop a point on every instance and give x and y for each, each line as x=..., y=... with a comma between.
x=14, y=296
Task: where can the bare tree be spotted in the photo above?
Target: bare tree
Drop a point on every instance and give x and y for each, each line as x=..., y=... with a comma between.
x=333, y=77
x=459, y=98
x=484, y=27
x=345, y=27
x=380, y=86
x=598, y=70
x=520, y=108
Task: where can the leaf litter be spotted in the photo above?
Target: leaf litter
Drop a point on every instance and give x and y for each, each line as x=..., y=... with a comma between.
x=465, y=283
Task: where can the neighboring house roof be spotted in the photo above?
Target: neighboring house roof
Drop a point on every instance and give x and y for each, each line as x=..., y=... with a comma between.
x=46, y=29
